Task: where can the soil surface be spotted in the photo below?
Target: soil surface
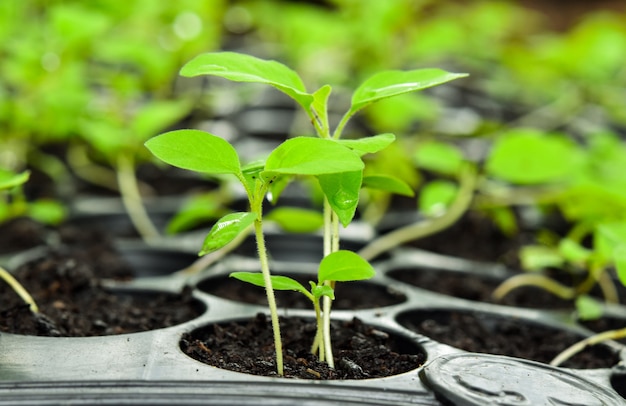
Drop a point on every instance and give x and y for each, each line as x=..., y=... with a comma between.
x=66, y=285
x=360, y=351
x=20, y=234
x=473, y=287
x=484, y=333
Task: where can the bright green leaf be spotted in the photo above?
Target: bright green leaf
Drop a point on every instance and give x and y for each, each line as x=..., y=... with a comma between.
x=296, y=220
x=388, y=184
x=246, y=68
x=311, y=156
x=531, y=157
x=322, y=290
x=47, y=211
x=342, y=191
x=436, y=196
x=319, y=107
x=572, y=251
x=157, y=116
x=536, y=257
x=9, y=179
x=344, y=266
x=619, y=259
x=197, y=209
x=369, y=145
x=195, y=150
x=226, y=229
x=439, y=157
x=588, y=308
x=392, y=83
x=607, y=238
x=278, y=282
x=504, y=218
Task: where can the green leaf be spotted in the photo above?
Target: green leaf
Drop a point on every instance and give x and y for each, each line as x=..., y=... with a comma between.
x=619, y=259
x=9, y=179
x=311, y=156
x=392, y=83
x=531, y=157
x=342, y=191
x=47, y=211
x=296, y=220
x=439, y=157
x=322, y=290
x=195, y=150
x=388, y=184
x=226, y=229
x=196, y=210
x=436, y=196
x=157, y=116
x=588, y=308
x=319, y=107
x=607, y=238
x=344, y=266
x=369, y=145
x=573, y=252
x=536, y=257
x=278, y=282
x=246, y=68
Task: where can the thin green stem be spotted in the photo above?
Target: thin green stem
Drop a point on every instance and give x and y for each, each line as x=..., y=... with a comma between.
x=318, y=343
x=342, y=123
x=589, y=341
x=269, y=290
x=327, y=301
x=19, y=289
x=527, y=279
x=131, y=197
x=426, y=227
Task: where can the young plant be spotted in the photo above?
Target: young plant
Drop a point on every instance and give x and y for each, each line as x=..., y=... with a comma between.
x=334, y=162
x=9, y=180
x=13, y=202
x=586, y=187
x=203, y=152
x=118, y=139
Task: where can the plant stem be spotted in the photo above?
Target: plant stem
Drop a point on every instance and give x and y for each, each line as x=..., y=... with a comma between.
x=342, y=123
x=318, y=343
x=132, y=198
x=581, y=345
x=327, y=302
x=269, y=290
x=426, y=227
x=19, y=289
x=542, y=281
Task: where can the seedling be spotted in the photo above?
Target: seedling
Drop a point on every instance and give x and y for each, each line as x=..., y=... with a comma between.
x=587, y=188
x=8, y=181
x=13, y=202
x=334, y=162
x=118, y=139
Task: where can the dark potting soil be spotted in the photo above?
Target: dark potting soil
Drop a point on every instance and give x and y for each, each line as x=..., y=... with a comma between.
x=477, y=238
x=73, y=302
x=360, y=351
x=348, y=295
x=470, y=286
x=487, y=333
x=21, y=233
